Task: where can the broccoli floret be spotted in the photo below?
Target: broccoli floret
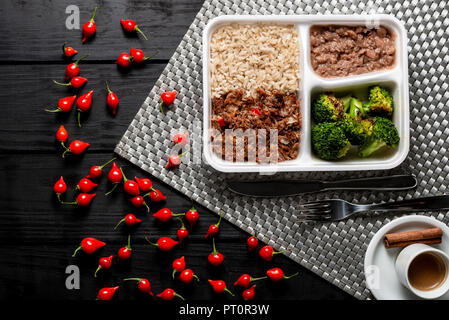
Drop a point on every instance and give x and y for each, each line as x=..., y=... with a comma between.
x=357, y=130
x=327, y=108
x=329, y=141
x=380, y=102
x=356, y=109
x=384, y=134
x=346, y=102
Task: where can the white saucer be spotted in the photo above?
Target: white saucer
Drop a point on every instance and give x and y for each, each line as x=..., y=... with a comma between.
x=381, y=278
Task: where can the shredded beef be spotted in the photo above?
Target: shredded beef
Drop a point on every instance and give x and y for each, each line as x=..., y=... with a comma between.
x=267, y=110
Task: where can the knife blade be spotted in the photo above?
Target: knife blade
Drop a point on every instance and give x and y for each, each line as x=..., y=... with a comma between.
x=284, y=188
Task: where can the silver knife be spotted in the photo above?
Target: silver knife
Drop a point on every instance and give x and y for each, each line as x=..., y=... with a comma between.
x=285, y=188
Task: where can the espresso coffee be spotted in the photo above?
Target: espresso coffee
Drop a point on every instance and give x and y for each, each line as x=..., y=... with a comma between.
x=427, y=272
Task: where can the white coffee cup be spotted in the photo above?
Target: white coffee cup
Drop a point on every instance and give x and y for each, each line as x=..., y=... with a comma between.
x=404, y=260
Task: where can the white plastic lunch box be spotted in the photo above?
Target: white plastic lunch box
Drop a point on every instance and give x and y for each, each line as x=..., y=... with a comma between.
x=395, y=79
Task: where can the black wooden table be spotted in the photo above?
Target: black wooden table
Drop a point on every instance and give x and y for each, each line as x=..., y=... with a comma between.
x=37, y=234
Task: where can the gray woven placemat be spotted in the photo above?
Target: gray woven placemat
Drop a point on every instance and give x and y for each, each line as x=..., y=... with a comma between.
x=335, y=251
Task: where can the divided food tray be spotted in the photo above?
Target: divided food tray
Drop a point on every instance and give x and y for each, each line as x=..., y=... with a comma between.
x=394, y=79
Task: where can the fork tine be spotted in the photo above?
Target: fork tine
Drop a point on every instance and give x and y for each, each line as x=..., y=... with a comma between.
x=313, y=203
x=320, y=211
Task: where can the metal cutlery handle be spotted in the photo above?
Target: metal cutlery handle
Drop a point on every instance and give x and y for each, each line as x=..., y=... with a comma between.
x=398, y=182
x=417, y=204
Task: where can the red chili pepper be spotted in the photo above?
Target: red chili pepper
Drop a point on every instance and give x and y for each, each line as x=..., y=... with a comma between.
x=83, y=104
x=75, y=82
x=130, y=220
x=180, y=138
x=252, y=243
x=169, y=294
x=59, y=188
x=276, y=275
x=85, y=185
x=182, y=232
x=245, y=280
x=139, y=56
x=106, y=293
x=175, y=160
x=167, y=98
x=143, y=284
x=62, y=135
x=89, y=245
x=124, y=253
x=164, y=243
x=115, y=176
x=221, y=122
x=249, y=294
x=192, y=216
x=82, y=199
x=165, y=215
x=215, y=258
x=64, y=104
x=214, y=228
x=68, y=51
x=178, y=265
x=130, y=186
x=104, y=263
x=267, y=253
x=219, y=286
x=187, y=276
x=139, y=201
x=73, y=70
x=97, y=171
x=89, y=28
x=156, y=195
x=124, y=60
x=256, y=111
x=145, y=184
x=131, y=26
x=111, y=100
x=76, y=147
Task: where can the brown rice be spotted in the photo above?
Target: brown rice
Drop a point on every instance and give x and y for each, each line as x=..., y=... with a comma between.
x=251, y=56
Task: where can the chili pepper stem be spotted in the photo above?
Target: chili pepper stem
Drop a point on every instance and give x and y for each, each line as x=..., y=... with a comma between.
x=105, y=164
x=76, y=251
x=179, y=296
x=141, y=32
x=173, y=274
x=219, y=220
x=129, y=242
x=132, y=279
x=95, y=12
x=74, y=202
x=293, y=275
x=228, y=291
x=147, y=194
x=96, y=271
x=124, y=177
x=53, y=110
x=61, y=84
x=196, y=278
x=112, y=190
x=78, y=61
x=213, y=246
x=58, y=195
x=146, y=206
x=107, y=87
x=153, y=244
x=277, y=252
x=63, y=46
x=116, y=226
x=260, y=278
x=79, y=118
x=148, y=58
x=160, y=107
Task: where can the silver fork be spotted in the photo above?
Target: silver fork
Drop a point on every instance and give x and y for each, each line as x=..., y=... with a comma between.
x=336, y=210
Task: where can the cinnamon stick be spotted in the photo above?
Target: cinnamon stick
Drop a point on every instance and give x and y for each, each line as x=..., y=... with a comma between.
x=403, y=239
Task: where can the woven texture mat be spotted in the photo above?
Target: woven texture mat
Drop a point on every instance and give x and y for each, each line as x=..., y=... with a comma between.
x=335, y=251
